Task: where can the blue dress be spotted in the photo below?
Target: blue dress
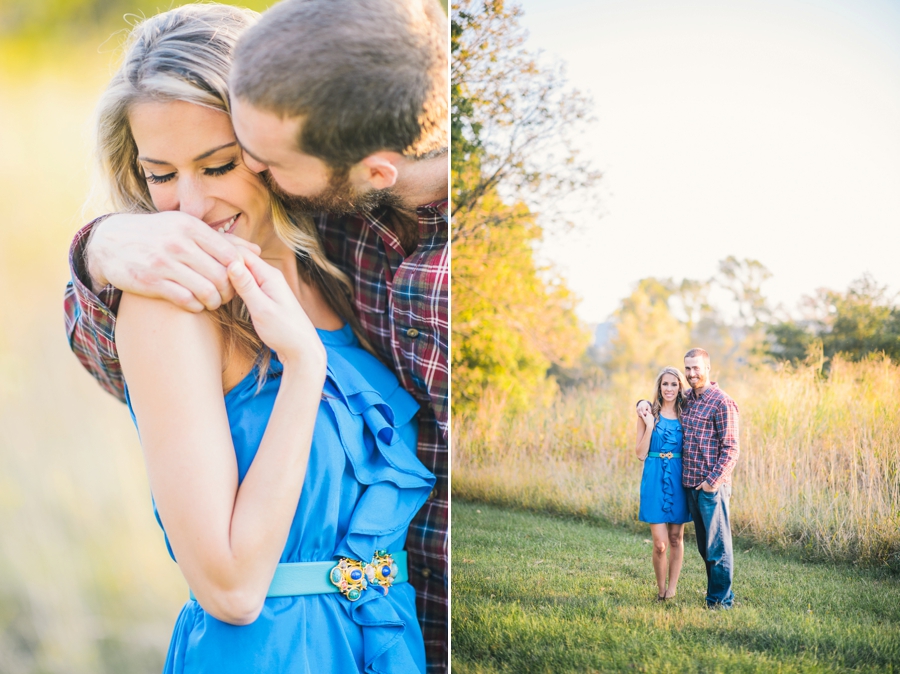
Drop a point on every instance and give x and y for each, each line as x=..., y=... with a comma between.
x=663, y=498
x=363, y=485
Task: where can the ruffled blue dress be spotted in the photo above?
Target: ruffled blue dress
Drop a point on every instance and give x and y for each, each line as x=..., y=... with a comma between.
x=363, y=485
x=663, y=498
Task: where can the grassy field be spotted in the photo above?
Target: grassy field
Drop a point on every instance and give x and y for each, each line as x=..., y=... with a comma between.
x=536, y=593
x=819, y=469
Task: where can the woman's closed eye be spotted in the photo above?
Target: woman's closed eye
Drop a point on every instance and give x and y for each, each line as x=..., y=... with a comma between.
x=211, y=171
x=220, y=170
x=158, y=180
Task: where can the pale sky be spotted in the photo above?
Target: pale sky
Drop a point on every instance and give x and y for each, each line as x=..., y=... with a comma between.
x=766, y=129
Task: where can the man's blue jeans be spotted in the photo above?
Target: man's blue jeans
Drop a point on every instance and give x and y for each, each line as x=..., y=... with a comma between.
x=712, y=523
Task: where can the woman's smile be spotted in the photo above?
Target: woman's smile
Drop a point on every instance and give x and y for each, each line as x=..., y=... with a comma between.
x=225, y=226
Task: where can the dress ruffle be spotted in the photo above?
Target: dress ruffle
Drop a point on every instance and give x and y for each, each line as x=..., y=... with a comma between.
x=671, y=437
x=397, y=487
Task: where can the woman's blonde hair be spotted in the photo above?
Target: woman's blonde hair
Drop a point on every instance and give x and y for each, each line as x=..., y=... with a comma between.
x=656, y=404
x=185, y=54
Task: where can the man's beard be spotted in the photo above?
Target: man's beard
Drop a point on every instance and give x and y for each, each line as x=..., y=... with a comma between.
x=338, y=198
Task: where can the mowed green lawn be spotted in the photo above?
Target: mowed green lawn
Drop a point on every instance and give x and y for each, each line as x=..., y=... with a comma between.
x=533, y=593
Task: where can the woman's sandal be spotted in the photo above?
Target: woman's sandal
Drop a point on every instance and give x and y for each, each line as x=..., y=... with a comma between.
x=660, y=597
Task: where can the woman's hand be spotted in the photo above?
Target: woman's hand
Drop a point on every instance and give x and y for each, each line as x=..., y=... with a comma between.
x=277, y=316
x=641, y=407
x=646, y=415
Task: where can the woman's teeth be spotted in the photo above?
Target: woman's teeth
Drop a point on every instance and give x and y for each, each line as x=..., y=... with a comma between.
x=224, y=229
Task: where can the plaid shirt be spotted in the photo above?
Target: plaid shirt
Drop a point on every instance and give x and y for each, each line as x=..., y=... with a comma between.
x=710, y=438
x=403, y=305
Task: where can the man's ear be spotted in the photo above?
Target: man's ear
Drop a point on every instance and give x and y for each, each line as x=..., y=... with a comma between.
x=377, y=170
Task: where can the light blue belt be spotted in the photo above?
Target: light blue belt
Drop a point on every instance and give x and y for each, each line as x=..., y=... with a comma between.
x=301, y=578
x=664, y=455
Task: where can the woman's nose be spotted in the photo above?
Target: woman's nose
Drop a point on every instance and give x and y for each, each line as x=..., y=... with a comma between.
x=192, y=197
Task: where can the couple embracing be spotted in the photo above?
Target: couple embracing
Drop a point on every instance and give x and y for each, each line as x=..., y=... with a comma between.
x=688, y=440
x=270, y=301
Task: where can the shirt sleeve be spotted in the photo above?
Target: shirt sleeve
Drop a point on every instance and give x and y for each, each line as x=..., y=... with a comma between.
x=91, y=319
x=726, y=426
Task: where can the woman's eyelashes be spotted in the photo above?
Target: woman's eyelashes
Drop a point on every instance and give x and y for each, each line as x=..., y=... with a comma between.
x=158, y=180
x=220, y=170
x=212, y=171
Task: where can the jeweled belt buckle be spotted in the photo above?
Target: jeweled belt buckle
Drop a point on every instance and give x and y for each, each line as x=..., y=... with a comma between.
x=382, y=570
x=352, y=577
x=666, y=455
x=349, y=577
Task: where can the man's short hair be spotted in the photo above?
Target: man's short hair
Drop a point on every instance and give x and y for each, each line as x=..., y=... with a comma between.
x=693, y=353
x=364, y=75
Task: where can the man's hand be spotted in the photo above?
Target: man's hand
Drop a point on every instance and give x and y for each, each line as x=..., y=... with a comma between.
x=170, y=255
x=705, y=486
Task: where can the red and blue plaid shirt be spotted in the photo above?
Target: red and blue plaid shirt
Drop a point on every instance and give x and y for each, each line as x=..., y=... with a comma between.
x=403, y=304
x=711, y=446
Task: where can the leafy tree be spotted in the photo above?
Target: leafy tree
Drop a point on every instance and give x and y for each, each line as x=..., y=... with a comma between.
x=855, y=323
x=648, y=336
x=513, y=125
x=510, y=322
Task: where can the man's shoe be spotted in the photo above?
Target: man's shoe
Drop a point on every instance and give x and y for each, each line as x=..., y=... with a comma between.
x=718, y=606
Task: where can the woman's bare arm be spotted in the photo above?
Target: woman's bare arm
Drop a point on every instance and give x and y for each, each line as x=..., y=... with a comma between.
x=644, y=433
x=227, y=539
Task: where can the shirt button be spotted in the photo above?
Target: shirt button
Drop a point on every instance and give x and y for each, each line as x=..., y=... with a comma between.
x=426, y=572
x=412, y=332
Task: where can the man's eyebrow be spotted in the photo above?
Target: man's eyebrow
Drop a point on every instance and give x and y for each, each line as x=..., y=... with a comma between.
x=199, y=157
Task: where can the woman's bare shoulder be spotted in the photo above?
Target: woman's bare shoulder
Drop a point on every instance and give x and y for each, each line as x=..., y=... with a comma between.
x=156, y=327
x=159, y=317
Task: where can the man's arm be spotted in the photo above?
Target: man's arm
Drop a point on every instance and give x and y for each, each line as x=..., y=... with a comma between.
x=726, y=424
x=91, y=320
x=168, y=255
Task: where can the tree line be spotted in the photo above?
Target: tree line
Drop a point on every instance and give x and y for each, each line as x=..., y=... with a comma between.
x=514, y=163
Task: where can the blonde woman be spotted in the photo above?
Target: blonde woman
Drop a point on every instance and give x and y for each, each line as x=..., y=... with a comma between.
x=663, y=499
x=280, y=453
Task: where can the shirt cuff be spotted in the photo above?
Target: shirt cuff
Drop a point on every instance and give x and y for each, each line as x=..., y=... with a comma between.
x=107, y=300
x=713, y=480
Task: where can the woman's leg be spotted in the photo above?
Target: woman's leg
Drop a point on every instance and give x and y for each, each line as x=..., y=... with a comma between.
x=660, y=542
x=676, y=556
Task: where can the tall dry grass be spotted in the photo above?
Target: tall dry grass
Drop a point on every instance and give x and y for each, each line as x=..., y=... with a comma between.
x=819, y=469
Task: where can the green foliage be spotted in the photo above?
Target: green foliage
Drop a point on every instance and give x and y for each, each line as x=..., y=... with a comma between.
x=43, y=18
x=648, y=336
x=510, y=322
x=855, y=323
x=661, y=320
x=533, y=593
x=511, y=144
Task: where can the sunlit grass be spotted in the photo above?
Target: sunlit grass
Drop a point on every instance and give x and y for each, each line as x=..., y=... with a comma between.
x=533, y=593
x=819, y=470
